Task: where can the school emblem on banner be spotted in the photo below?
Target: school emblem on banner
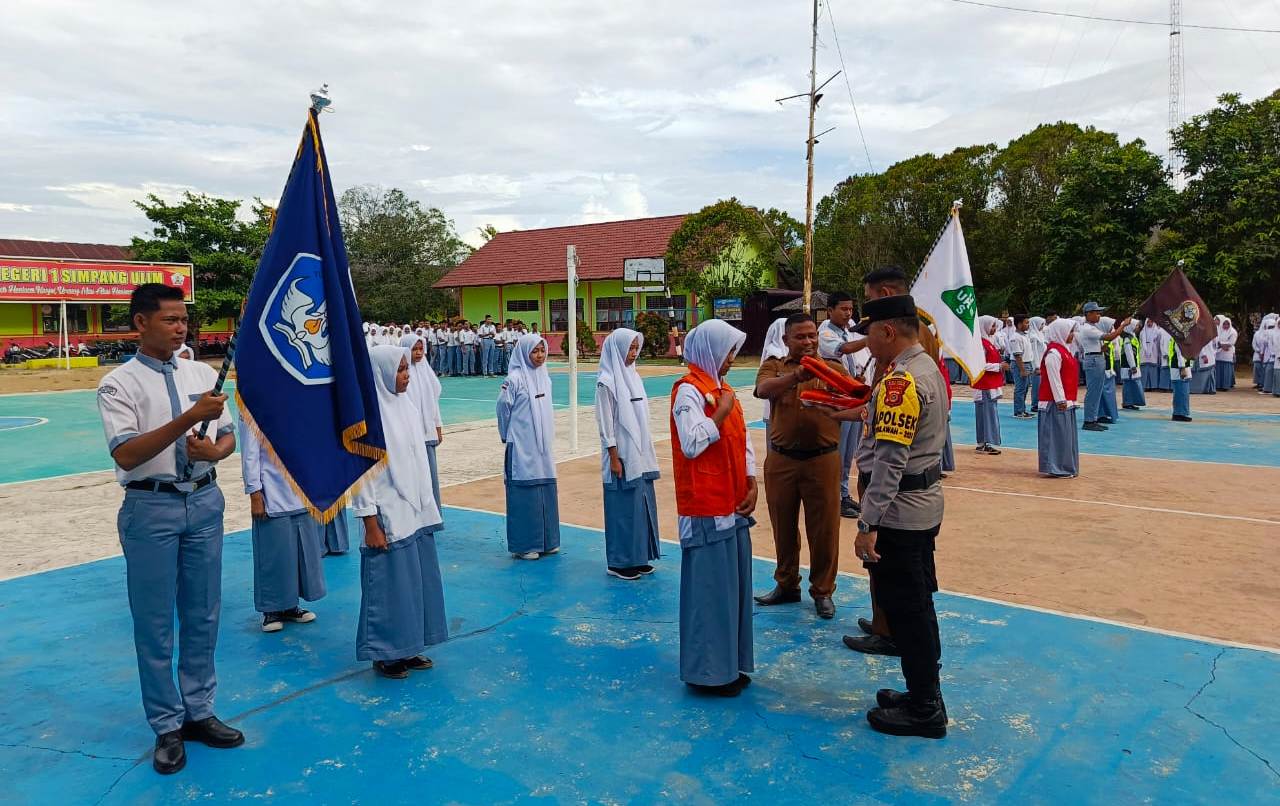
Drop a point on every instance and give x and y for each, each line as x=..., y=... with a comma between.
x=1183, y=318
x=295, y=322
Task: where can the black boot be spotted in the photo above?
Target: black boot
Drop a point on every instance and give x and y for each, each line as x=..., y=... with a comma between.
x=926, y=718
x=872, y=645
x=170, y=754
x=778, y=596
x=213, y=732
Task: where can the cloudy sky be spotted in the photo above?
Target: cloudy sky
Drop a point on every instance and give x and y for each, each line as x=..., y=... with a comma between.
x=527, y=114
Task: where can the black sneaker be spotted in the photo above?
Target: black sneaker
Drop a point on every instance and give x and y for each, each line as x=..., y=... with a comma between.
x=850, y=509
x=1181, y=418
x=1093, y=427
x=271, y=622
x=628, y=574
x=298, y=615
x=644, y=570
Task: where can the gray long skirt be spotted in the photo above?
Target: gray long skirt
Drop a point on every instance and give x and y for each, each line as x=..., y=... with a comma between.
x=401, y=599
x=948, y=451
x=1107, y=406
x=716, y=609
x=337, y=539
x=286, y=562
x=1058, y=442
x=1269, y=377
x=1134, y=395
x=987, y=420
x=1204, y=381
x=1257, y=373
x=1151, y=376
x=1275, y=379
x=1225, y=372
x=631, y=522
x=435, y=473
x=533, y=516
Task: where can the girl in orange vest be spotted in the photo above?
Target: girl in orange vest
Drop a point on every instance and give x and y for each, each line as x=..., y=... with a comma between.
x=715, y=474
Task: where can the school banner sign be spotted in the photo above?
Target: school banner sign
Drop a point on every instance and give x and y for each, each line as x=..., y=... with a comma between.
x=49, y=280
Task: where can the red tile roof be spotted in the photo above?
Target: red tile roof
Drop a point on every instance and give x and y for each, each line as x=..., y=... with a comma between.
x=56, y=249
x=538, y=255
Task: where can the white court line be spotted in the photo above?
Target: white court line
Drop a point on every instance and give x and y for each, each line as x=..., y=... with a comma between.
x=1114, y=504
x=60, y=476
x=1048, y=611
x=1007, y=448
x=39, y=421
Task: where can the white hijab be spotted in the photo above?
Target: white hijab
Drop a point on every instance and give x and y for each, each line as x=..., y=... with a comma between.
x=709, y=344
x=1059, y=330
x=1036, y=331
x=402, y=426
x=424, y=386
x=987, y=326
x=774, y=346
x=522, y=374
x=635, y=445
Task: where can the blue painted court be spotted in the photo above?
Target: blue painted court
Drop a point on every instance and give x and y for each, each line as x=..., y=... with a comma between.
x=64, y=435
x=560, y=684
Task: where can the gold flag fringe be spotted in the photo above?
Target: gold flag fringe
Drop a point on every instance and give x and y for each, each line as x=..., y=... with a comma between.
x=952, y=353
x=349, y=437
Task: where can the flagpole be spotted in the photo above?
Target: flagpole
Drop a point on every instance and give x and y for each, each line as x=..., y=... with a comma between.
x=572, y=352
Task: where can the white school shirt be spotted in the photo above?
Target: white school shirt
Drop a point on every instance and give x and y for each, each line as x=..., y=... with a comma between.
x=830, y=339
x=1150, y=340
x=1089, y=337
x=1020, y=344
x=262, y=475
x=134, y=398
x=1227, y=345
x=697, y=432
x=451, y=338
x=488, y=330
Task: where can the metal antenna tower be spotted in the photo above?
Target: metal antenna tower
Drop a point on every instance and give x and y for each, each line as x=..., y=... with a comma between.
x=1177, y=78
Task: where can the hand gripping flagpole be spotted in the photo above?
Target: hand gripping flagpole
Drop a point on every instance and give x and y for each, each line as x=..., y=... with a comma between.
x=320, y=102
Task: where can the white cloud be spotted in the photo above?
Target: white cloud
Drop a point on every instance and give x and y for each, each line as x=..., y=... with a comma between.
x=553, y=112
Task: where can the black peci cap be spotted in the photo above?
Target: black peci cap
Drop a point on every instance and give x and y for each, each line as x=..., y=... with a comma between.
x=899, y=306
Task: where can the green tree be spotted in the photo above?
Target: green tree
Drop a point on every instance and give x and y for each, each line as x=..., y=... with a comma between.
x=656, y=330
x=1228, y=221
x=723, y=250
x=398, y=249
x=1101, y=225
x=207, y=232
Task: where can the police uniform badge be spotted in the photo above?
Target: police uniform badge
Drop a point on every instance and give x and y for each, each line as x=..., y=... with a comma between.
x=897, y=408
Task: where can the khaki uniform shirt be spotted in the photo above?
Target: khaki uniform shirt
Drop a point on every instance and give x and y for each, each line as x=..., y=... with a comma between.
x=904, y=434
x=793, y=426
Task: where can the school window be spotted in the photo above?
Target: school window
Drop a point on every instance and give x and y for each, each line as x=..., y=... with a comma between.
x=613, y=312
x=560, y=314
x=77, y=318
x=115, y=319
x=521, y=305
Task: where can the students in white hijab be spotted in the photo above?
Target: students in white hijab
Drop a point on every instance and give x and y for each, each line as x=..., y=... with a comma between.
x=628, y=463
x=1259, y=351
x=715, y=481
x=1225, y=356
x=987, y=389
x=402, y=596
x=526, y=424
x=1271, y=351
x=1149, y=360
x=424, y=391
x=1057, y=439
x=774, y=347
x=1039, y=341
x=1108, y=413
x=1204, y=379
x=1128, y=368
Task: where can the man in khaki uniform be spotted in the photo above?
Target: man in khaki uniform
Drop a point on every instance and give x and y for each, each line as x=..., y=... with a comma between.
x=902, y=510
x=802, y=470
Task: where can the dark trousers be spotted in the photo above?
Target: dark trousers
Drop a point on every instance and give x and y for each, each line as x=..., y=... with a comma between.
x=813, y=484
x=905, y=581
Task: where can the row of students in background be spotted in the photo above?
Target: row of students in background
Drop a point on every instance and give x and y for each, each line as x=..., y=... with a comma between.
x=1266, y=356
x=460, y=348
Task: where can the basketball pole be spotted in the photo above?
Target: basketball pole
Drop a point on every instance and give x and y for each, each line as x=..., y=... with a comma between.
x=571, y=261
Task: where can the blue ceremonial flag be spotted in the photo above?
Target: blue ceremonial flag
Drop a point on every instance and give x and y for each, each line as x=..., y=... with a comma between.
x=304, y=383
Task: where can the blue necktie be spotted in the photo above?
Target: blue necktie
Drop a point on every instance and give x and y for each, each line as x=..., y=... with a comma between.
x=175, y=408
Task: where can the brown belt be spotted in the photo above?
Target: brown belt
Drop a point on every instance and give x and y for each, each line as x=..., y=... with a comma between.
x=810, y=454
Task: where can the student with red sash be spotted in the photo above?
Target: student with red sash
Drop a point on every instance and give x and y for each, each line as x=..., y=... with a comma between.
x=715, y=476
x=987, y=389
x=1058, y=440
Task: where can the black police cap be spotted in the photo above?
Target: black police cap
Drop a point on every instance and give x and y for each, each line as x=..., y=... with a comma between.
x=901, y=306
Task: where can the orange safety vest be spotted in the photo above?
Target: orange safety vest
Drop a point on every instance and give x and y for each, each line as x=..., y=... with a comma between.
x=715, y=482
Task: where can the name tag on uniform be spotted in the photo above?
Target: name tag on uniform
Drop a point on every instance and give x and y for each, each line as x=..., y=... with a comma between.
x=540, y=394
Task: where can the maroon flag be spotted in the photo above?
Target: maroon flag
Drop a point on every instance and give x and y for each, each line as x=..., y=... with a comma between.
x=1176, y=307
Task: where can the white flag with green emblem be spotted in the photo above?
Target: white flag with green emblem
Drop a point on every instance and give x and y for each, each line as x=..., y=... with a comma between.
x=943, y=292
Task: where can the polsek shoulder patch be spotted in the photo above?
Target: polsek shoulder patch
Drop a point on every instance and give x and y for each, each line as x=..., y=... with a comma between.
x=897, y=408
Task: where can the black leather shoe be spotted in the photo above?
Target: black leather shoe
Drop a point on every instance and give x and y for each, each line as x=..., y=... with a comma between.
x=1181, y=418
x=395, y=669
x=170, y=754
x=778, y=596
x=417, y=663
x=727, y=690
x=824, y=606
x=927, y=719
x=850, y=509
x=891, y=698
x=872, y=645
x=1093, y=427
x=1106, y=420
x=213, y=732
x=866, y=626
x=1130, y=407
